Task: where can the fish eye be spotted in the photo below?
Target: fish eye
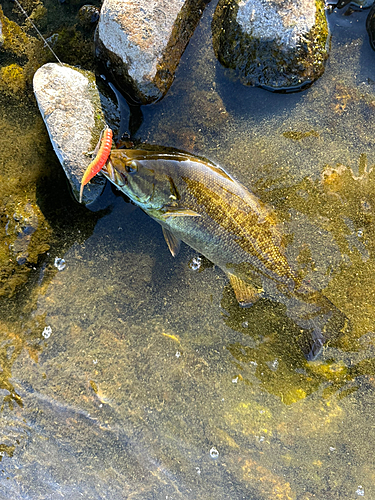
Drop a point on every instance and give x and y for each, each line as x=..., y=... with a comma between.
x=131, y=167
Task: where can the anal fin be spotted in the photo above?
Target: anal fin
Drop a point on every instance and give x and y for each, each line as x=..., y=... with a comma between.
x=172, y=242
x=246, y=294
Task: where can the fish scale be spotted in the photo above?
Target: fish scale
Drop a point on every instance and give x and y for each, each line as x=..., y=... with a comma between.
x=252, y=231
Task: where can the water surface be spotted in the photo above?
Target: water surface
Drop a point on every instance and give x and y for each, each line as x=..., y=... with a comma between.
x=150, y=381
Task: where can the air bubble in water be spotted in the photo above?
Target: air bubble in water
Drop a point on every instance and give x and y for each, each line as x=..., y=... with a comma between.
x=195, y=263
x=60, y=263
x=47, y=332
x=360, y=491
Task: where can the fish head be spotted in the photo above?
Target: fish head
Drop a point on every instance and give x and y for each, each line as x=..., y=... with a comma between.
x=142, y=180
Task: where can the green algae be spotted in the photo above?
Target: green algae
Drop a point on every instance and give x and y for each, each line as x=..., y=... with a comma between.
x=22, y=47
x=296, y=135
x=24, y=54
x=24, y=229
x=32, y=187
x=315, y=53
x=12, y=79
x=341, y=203
x=9, y=450
x=73, y=47
x=15, y=39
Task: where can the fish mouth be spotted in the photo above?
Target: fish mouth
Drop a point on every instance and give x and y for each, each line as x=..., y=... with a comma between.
x=118, y=178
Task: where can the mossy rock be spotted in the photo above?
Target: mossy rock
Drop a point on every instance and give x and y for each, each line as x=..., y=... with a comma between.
x=13, y=38
x=12, y=79
x=27, y=235
x=275, y=46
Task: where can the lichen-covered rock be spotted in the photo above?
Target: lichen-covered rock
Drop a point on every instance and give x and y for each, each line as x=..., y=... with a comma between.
x=141, y=41
x=279, y=45
x=70, y=105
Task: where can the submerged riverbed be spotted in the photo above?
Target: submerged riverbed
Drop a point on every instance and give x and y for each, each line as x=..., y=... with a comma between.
x=132, y=374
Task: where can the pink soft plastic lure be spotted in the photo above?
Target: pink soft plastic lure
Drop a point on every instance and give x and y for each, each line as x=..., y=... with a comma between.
x=99, y=161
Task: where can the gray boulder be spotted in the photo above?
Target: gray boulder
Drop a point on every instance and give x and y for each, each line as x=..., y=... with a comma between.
x=72, y=109
x=141, y=42
x=281, y=45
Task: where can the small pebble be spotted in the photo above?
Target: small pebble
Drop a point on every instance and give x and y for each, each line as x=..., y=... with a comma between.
x=214, y=453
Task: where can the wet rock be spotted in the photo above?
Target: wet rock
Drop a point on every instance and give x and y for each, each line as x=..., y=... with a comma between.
x=362, y=4
x=26, y=236
x=262, y=481
x=142, y=42
x=24, y=227
x=70, y=105
x=281, y=46
x=355, y=4
x=370, y=26
x=1, y=34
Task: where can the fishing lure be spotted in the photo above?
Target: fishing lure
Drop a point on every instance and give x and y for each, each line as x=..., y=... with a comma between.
x=100, y=159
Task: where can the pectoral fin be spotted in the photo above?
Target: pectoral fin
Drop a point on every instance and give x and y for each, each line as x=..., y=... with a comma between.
x=172, y=242
x=246, y=294
x=179, y=212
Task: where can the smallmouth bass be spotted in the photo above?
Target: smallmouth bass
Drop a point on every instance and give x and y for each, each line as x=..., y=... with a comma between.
x=199, y=203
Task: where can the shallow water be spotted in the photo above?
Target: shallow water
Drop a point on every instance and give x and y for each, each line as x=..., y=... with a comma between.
x=149, y=368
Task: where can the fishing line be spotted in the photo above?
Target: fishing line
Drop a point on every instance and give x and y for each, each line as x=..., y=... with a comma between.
x=39, y=33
